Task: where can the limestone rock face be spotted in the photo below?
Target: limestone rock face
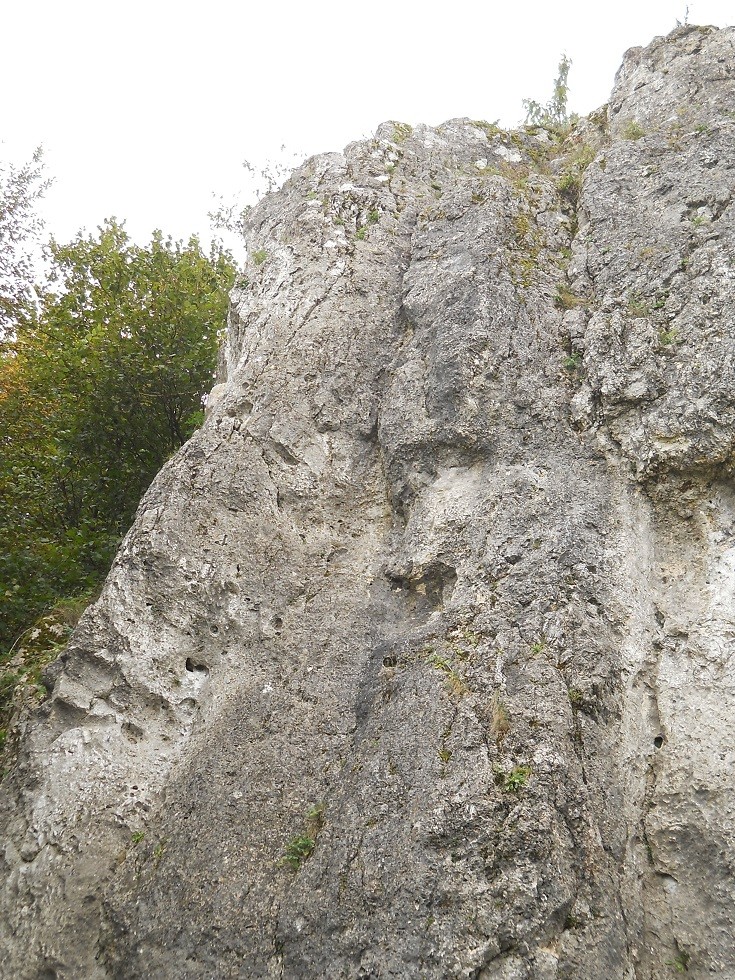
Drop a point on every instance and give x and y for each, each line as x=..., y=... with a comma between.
x=416, y=660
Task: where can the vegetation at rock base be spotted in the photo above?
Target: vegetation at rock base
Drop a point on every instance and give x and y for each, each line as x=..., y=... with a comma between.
x=101, y=380
x=21, y=666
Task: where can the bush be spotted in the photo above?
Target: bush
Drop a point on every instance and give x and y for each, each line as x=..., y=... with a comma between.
x=554, y=116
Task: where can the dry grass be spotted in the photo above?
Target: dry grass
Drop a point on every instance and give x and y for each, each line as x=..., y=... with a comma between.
x=500, y=719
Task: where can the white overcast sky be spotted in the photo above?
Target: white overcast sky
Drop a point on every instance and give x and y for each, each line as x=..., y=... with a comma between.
x=148, y=107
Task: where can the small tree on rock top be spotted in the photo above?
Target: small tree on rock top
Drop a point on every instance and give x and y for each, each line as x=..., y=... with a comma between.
x=555, y=114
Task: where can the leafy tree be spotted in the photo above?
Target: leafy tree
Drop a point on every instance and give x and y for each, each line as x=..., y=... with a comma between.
x=97, y=389
x=20, y=189
x=555, y=114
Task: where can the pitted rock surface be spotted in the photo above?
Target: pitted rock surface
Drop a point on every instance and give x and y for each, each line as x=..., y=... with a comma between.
x=416, y=660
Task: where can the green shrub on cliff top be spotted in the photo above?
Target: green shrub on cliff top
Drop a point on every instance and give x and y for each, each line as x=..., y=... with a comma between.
x=554, y=116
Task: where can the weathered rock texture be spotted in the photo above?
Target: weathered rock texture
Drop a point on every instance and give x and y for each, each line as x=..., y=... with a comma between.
x=445, y=584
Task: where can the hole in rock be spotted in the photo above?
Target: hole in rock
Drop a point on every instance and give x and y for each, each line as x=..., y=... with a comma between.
x=390, y=661
x=277, y=622
x=658, y=741
x=132, y=730
x=214, y=629
x=426, y=588
x=195, y=668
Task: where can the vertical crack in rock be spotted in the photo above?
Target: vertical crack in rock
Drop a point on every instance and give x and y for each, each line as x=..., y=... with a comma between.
x=415, y=661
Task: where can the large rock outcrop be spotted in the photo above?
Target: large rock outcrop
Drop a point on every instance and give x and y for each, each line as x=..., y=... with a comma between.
x=416, y=660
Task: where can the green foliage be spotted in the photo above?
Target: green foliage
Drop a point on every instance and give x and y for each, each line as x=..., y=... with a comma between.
x=20, y=189
x=500, y=718
x=301, y=847
x=491, y=129
x=21, y=667
x=262, y=177
x=158, y=851
x=260, y=256
x=454, y=681
x=315, y=818
x=137, y=836
x=566, y=299
x=517, y=778
x=401, y=132
x=637, y=306
x=668, y=337
x=633, y=130
x=98, y=387
x=554, y=116
x=297, y=850
x=576, y=697
x=569, y=183
x=361, y=233
x=680, y=962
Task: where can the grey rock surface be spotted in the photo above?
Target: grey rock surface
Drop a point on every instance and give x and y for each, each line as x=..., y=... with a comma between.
x=416, y=660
